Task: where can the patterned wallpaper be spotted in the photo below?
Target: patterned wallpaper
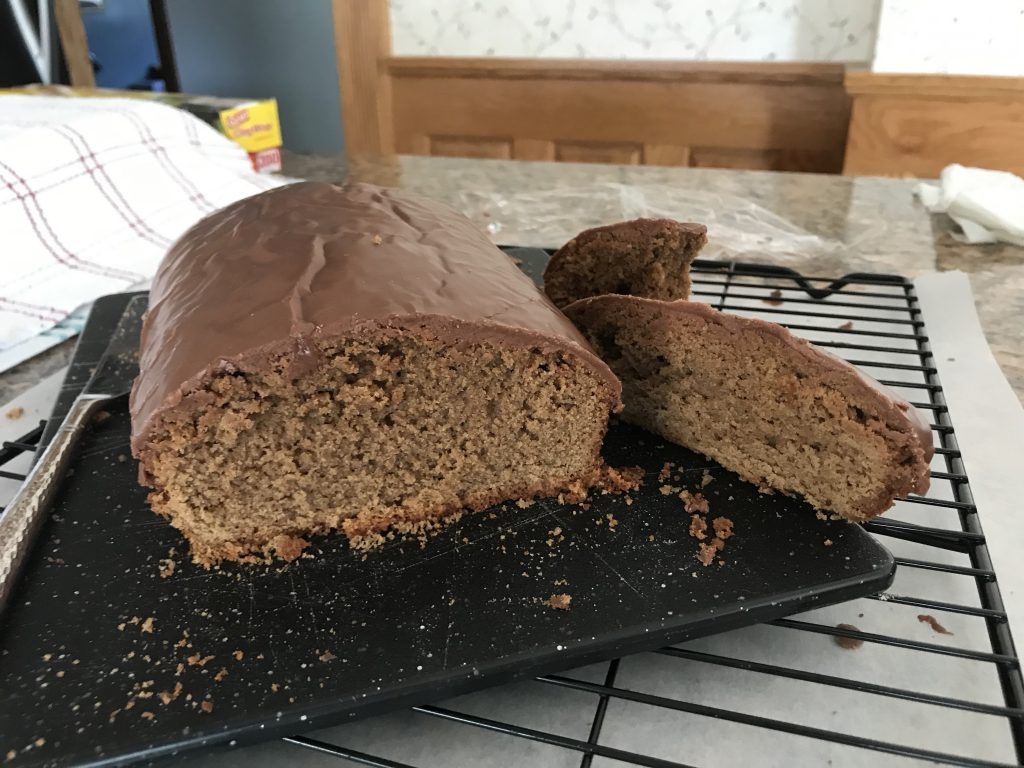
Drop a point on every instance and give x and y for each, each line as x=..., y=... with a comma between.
x=944, y=36
x=745, y=30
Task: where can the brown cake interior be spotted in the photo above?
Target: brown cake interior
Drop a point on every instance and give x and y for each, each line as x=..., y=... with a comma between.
x=644, y=257
x=762, y=403
x=389, y=431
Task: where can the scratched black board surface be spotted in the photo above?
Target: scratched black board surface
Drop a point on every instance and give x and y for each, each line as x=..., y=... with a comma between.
x=101, y=632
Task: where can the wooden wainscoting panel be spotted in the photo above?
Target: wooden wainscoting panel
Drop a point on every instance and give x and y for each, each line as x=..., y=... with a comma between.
x=594, y=152
x=471, y=146
x=533, y=149
x=628, y=112
x=764, y=159
x=918, y=124
x=666, y=154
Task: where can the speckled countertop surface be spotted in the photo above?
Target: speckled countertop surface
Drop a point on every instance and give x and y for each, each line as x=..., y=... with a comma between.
x=821, y=225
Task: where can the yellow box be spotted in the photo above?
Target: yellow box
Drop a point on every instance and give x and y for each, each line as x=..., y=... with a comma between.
x=254, y=125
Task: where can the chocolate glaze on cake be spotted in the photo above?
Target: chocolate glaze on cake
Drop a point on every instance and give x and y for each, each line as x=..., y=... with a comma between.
x=268, y=274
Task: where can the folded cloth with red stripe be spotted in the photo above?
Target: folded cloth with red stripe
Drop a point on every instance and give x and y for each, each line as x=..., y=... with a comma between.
x=92, y=194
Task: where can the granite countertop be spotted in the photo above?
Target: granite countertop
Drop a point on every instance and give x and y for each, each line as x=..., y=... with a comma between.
x=817, y=224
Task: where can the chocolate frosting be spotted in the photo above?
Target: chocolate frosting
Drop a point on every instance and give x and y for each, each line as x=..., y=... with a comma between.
x=269, y=274
x=831, y=368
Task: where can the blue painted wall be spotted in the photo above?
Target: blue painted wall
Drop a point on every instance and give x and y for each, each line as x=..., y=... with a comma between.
x=121, y=37
x=262, y=48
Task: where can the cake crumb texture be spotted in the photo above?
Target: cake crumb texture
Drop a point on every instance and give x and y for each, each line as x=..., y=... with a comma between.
x=559, y=602
x=389, y=433
x=768, y=406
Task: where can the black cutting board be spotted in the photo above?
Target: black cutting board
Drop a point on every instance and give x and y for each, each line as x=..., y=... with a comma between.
x=272, y=651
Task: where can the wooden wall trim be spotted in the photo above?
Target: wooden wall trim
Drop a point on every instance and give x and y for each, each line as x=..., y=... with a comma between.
x=712, y=114
x=776, y=73
x=933, y=86
x=916, y=125
x=74, y=43
x=362, y=41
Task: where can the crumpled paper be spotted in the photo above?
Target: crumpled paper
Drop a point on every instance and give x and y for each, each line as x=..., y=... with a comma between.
x=987, y=205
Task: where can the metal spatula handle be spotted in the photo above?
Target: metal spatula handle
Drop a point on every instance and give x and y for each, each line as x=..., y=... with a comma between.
x=21, y=522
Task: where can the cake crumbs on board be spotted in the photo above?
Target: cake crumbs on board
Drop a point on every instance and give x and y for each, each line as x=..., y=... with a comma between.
x=694, y=502
x=707, y=552
x=619, y=479
x=698, y=527
x=774, y=298
x=560, y=602
x=168, y=564
x=723, y=527
x=166, y=697
x=15, y=413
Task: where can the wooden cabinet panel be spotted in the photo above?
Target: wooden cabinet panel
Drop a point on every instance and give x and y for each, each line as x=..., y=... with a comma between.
x=471, y=146
x=582, y=152
x=764, y=159
x=666, y=154
x=919, y=137
x=918, y=124
x=533, y=149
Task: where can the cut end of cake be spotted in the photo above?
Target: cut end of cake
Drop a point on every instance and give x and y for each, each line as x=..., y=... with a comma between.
x=643, y=257
x=387, y=433
x=760, y=401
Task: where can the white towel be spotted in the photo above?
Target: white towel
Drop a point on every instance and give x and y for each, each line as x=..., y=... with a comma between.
x=92, y=194
x=988, y=205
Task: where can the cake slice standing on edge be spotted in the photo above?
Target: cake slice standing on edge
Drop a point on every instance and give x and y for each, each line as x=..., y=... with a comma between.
x=643, y=257
x=760, y=401
x=324, y=357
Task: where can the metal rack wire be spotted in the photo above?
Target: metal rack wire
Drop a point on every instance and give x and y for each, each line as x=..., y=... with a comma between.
x=876, y=323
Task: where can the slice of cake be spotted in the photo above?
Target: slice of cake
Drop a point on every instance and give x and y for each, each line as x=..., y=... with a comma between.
x=644, y=257
x=760, y=401
x=324, y=357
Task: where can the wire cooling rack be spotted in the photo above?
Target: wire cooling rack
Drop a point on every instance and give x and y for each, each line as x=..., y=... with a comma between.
x=924, y=674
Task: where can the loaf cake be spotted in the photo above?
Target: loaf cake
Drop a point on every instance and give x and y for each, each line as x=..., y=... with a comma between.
x=323, y=357
x=643, y=257
x=763, y=403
